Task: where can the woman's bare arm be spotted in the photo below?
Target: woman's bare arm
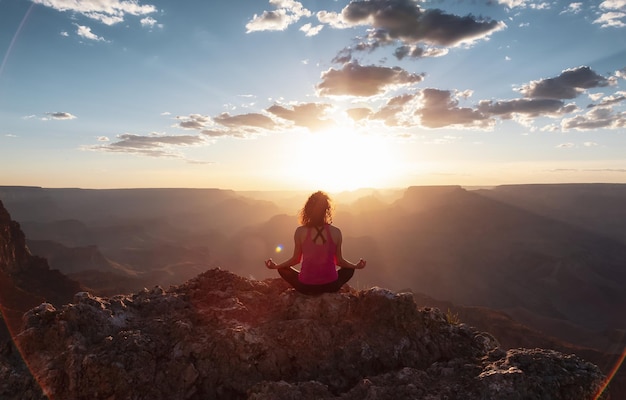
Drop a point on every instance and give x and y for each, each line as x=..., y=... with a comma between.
x=342, y=262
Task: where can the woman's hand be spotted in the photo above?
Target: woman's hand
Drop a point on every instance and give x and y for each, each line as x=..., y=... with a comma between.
x=270, y=264
x=361, y=264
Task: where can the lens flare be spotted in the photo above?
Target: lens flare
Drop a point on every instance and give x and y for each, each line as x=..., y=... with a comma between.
x=17, y=33
x=611, y=375
x=279, y=248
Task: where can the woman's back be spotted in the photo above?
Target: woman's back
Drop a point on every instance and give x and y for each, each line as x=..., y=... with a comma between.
x=318, y=256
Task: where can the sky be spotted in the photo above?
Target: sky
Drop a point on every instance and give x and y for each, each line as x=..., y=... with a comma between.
x=321, y=94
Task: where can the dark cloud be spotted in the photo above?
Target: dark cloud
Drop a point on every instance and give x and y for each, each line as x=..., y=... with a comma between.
x=308, y=115
x=405, y=21
x=61, y=115
x=568, y=85
x=596, y=118
x=418, y=52
x=356, y=80
x=404, y=51
x=440, y=109
x=528, y=107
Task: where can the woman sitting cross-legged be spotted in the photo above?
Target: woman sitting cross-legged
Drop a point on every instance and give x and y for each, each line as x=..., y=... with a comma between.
x=317, y=244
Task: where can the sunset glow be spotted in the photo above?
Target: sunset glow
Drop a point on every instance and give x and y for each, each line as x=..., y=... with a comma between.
x=326, y=94
x=341, y=159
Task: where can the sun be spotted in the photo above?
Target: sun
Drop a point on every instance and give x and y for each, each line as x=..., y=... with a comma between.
x=342, y=159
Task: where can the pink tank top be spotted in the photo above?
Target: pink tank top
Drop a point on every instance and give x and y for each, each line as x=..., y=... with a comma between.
x=318, y=259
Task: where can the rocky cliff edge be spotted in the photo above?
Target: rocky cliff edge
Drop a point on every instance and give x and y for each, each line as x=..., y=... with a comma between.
x=221, y=336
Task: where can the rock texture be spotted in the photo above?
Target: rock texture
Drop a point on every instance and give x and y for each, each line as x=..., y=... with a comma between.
x=26, y=280
x=221, y=336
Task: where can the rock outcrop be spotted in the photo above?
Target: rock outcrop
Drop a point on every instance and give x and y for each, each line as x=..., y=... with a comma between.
x=26, y=280
x=221, y=336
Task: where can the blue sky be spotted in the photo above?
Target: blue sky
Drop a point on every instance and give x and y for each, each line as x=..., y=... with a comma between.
x=331, y=95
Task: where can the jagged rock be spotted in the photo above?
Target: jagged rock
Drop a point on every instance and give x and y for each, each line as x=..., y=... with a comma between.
x=221, y=336
x=26, y=280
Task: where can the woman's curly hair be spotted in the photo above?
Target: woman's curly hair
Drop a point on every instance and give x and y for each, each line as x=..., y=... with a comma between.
x=317, y=211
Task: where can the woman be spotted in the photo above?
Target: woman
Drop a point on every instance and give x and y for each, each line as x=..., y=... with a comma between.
x=317, y=244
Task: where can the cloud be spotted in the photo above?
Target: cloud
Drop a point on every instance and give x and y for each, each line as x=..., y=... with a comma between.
x=194, y=121
x=150, y=22
x=611, y=19
x=240, y=126
x=596, y=118
x=440, y=108
x=514, y=3
x=308, y=115
x=85, y=32
x=524, y=4
x=356, y=80
x=359, y=113
x=154, y=145
x=405, y=21
x=418, y=52
x=573, y=8
x=435, y=109
x=613, y=14
x=108, y=12
x=310, y=30
x=128, y=140
x=333, y=19
x=527, y=107
x=539, y=6
x=252, y=120
x=61, y=115
x=392, y=112
x=287, y=12
x=568, y=85
x=613, y=99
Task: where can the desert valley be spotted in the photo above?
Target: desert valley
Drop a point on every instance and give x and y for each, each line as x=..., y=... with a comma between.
x=534, y=265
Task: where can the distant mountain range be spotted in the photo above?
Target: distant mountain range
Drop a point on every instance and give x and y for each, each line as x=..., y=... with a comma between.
x=550, y=257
